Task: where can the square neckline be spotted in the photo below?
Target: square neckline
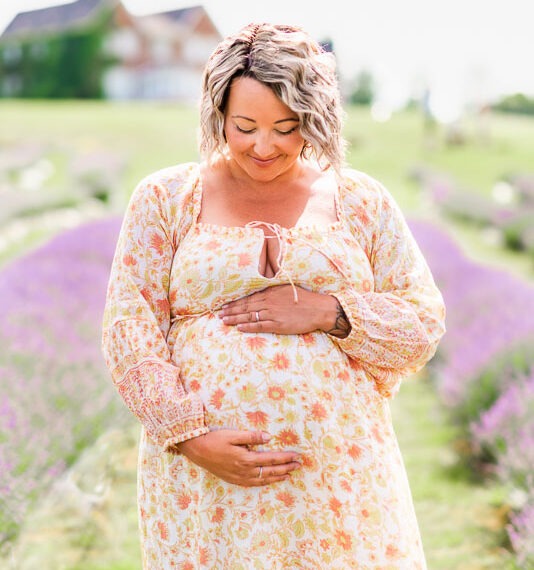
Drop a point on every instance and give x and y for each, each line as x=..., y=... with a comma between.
x=332, y=226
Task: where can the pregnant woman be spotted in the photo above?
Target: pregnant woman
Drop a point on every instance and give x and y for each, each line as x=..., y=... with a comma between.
x=263, y=306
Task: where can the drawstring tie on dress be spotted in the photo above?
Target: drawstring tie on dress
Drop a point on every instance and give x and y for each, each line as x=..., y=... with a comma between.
x=278, y=234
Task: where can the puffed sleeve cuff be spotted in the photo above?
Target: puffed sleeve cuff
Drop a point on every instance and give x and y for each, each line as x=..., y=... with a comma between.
x=153, y=392
x=191, y=423
x=385, y=333
x=193, y=432
x=355, y=339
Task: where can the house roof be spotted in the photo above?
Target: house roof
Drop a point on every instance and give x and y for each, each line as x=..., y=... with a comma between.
x=78, y=14
x=56, y=18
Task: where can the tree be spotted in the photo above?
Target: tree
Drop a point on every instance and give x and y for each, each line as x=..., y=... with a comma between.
x=69, y=64
x=518, y=103
x=363, y=91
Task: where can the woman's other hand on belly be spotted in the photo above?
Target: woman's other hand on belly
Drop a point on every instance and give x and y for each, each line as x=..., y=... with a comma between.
x=227, y=454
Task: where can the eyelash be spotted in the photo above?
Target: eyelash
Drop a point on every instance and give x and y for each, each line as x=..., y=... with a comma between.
x=250, y=131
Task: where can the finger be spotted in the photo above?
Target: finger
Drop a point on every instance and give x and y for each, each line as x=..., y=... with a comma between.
x=257, y=318
x=241, y=308
x=272, y=458
x=263, y=482
x=270, y=476
x=247, y=437
x=245, y=304
x=276, y=470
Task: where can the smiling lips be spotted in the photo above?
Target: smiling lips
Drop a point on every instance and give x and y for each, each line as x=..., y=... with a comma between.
x=263, y=163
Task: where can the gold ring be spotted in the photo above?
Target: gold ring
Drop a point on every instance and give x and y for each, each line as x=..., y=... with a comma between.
x=261, y=472
x=257, y=316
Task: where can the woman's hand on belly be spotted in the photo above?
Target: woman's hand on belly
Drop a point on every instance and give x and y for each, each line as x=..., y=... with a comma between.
x=275, y=310
x=226, y=453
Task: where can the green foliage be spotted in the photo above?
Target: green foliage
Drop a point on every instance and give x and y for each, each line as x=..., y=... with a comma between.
x=518, y=231
x=363, y=92
x=518, y=103
x=66, y=65
x=514, y=363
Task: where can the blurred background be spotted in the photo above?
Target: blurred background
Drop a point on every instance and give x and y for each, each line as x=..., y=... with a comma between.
x=95, y=94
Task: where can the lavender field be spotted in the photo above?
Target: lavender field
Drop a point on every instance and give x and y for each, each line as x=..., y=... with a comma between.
x=484, y=373
x=55, y=395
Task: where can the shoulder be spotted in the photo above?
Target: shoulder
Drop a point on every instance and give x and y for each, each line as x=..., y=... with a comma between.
x=173, y=182
x=369, y=208
x=356, y=184
x=165, y=197
x=361, y=190
x=362, y=197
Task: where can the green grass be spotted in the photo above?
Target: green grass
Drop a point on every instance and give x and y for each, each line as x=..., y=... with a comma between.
x=461, y=519
x=147, y=136
x=390, y=150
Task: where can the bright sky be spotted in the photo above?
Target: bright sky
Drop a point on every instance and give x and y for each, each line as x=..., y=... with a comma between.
x=464, y=49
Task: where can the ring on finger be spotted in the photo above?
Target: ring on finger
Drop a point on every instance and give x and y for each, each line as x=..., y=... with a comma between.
x=261, y=472
x=257, y=316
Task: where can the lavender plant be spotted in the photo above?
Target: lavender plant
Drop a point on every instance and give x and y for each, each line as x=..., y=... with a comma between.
x=55, y=396
x=506, y=432
x=521, y=533
x=490, y=325
x=485, y=370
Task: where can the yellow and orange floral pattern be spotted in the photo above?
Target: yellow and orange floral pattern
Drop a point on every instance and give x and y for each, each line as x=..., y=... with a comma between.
x=182, y=372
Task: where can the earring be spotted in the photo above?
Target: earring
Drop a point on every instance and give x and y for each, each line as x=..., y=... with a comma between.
x=306, y=150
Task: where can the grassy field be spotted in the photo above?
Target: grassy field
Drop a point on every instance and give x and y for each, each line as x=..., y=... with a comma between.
x=147, y=137
x=461, y=520
x=151, y=136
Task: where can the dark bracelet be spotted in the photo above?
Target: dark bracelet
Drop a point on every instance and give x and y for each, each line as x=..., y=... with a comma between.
x=341, y=328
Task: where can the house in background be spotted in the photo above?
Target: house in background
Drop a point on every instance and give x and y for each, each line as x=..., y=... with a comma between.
x=96, y=48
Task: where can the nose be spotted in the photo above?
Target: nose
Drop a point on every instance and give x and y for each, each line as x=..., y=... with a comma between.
x=263, y=147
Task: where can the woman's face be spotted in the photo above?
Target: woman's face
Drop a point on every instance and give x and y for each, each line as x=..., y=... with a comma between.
x=262, y=133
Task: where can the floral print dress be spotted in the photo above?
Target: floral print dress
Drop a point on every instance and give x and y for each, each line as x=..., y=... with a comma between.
x=183, y=372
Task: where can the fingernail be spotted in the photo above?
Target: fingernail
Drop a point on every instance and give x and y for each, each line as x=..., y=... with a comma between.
x=266, y=436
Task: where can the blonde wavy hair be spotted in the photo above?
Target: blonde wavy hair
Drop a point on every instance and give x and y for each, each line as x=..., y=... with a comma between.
x=300, y=73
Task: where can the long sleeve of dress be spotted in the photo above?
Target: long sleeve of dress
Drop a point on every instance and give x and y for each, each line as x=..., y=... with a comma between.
x=137, y=320
x=396, y=327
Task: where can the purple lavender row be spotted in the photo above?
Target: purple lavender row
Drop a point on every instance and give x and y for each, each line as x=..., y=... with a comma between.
x=55, y=396
x=485, y=371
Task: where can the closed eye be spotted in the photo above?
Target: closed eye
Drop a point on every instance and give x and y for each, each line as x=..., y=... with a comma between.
x=287, y=132
x=246, y=131
x=250, y=131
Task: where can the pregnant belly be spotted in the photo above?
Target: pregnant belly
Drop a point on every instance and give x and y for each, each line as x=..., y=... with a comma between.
x=296, y=387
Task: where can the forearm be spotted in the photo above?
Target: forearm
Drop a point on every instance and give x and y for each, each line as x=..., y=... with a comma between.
x=389, y=332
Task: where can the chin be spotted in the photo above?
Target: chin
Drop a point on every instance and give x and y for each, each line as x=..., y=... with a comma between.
x=263, y=176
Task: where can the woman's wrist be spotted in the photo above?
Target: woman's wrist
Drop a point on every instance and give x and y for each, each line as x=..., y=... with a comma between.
x=336, y=322
x=188, y=446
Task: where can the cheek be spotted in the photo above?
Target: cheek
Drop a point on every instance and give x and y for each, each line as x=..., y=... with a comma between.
x=295, y=146
x=236, y=140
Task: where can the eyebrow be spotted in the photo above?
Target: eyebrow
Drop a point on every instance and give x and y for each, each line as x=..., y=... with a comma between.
x=276, y=122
